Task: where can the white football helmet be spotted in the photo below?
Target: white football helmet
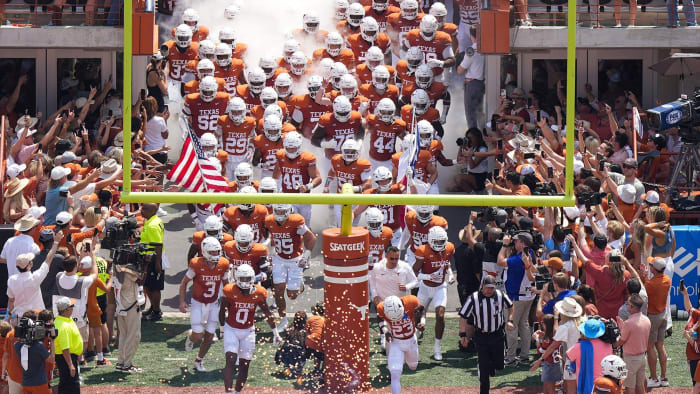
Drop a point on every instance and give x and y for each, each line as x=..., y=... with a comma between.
x=205, y=68
x=375, y=221
x=231, y=11
x=334, y=43
x=281, y=212
x=439, y=11
x=298, y=63
x=209, y=144
x=393, y=308
x=256, y=80
x=236, y=110
x=191, y=18
x=380, y=5
x=425, y=133
x=325, y=66
x=268, y=64
x=337, y=71
x=183, y=36
x=268, y=185
x=374, y=58
x=227, y=36
x=273, y=127
x=342, y=108
x=245, y=277
x=424, y=76
x=369, y=29
x=288, y=49
x=383, y=178
x=283, y=85
x=292, y=144
x=428, y=27
x=409, y=9
x=380, y=78
x=314, y=85
x=437, y=238
x=414, y=58
x=350, y=150
x=420, y=101
x=223, y=55
x=211, y=249
x=243, y=174
x=614, y=366
x=311, y=22
x=424, y=213
x=268, y=96
x=247, y=190
x=341, y=7
x=207, y=50
x=213, y=226
x=386, y=109
x=244, y=236
x=274, y=109
x=208, y=88
x=348, y=86
x=355, y=14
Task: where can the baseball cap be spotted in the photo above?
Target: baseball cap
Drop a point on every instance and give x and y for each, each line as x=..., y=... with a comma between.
x=630, y=162
x=652, y=197
x=63, y=217
x=525, y=237
x=489, y=281
x=525, y=223
x=59, y=172
x=554, y=262
x=68, y=157
x=63, y=303
x=37, y=211
x=658, y=263
x=600, y=241
x=46, y=235
x=15, y=169
x=24, y=259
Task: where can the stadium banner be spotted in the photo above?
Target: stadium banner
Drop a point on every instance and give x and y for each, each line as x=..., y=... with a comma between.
x=686, y=260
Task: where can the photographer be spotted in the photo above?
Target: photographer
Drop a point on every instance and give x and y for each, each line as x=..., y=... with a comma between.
x=69, y=344
x=473, y=152
x=127, y=279
x=33, y=356
x=154, y=283
x=560, y=285
x=468, y=258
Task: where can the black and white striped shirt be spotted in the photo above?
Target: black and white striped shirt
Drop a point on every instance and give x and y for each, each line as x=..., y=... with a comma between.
x=487, y=313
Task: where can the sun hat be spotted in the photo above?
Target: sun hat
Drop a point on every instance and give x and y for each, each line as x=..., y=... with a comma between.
x=26, y=122
x=568, y=307
x=15, y=186
x=592, y=328
x=627, y=193
x=26, y=223
x=652, y=197
x=109, y=167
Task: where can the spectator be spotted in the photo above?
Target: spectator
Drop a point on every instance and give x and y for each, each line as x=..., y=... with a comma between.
x=8, y=103
x=658, y=288
x=468, y=256
x=156, y=81
x=472, y=66
x=5, y=329
x=292, y=352
x=633, y=339
x=19, y=244
x=689, y=9
x=560, y=282
x=474, y=152
x=588, y=353
x=16, y=204
x=513, y=185
x=597, y=255
x=588, y=295
x=628, y=176
x=33, y=358
x=566, y=337
x=58, y=196
x=621, y=149
x=634, y=286
x=69, y=346
x=551, y=366
x=156, y=132
x=155, y=273
x=48, y=285
x=690, y=333
x=314, y=337
x=94, y=313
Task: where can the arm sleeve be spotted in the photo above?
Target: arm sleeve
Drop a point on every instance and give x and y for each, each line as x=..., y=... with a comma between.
x=189, y=273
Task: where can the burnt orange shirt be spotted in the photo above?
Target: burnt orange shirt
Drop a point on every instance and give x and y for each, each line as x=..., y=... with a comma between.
x=314, y=332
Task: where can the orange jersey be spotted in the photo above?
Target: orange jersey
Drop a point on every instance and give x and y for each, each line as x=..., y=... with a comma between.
x=381, y=17
x=201, y=34
x=377, y=245
x=243, y=91
x=207, y=280
x=241, y=307
x=256, y=220
x=239, y=50
x=435, y=262
x=236, y=138
x=393, y=214
x=287, y=237
x=199, y=236
x=356, y=101
x=339, y=131
x=345, y=29
x=420, y=172
x=367, y=90
x=233, y=186
x=253, y=257
x=606, y=385
x=431, y=115
x=393, y=3
x=399, y=27
x=359, y=46
x=177, y=60
x=364, y=74
x=231, y=74
x=419, y=231
x=404, y=328
x=193, y=86
x=345, y=56
x=403, y=74
x=435, y=92
x=268, y=149
x=450, y=29
x=295, y=171
x=205, y=115
x=383, y=137
x=258, y=112
x=435, y=147
x=286, y=127
x=354, y=173
x=440, y=47
x=305, y=110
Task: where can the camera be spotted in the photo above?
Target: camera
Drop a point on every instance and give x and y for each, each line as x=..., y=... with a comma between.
x=615, y=258
x=30, y=331
x=544, y=189
x=685, y=110
x=488, y=214
x=131, y=256
x=119, y=232
x=590, y=199
x=460, y=141
x=542, y=278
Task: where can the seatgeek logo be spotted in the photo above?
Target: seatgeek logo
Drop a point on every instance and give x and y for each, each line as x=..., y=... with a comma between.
x=355, y=247
x=685, y=263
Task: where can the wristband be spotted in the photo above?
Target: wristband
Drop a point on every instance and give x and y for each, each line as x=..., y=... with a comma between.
x=310, y=186
x=306, y=254
x=454, y=162
x=422, y=320
x=423, y=276
x=356, y=189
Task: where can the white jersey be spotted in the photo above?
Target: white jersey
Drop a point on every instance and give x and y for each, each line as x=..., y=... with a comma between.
x=385, y=282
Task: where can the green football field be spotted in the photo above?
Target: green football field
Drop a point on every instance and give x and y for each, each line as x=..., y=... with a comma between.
x=165, y=363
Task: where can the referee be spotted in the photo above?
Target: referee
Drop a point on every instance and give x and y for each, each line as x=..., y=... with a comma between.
x=482, y=315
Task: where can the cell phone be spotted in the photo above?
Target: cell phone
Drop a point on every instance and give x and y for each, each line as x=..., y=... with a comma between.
x=97, y=210
x=538, y=146
x=681, y=285
x=143, y=94
x=601, y=165
x=63, y=193
x=568, y=231
x=615, y=258
x=530, y=155
x=87, y=247
x=536, y=326
x=40, y=146
x=165, y=108
x=503, y=93
x=499, y=144
x=550, y=172
x=599, y=156
x=539, y=115
x=495, y=174
x=110, y=113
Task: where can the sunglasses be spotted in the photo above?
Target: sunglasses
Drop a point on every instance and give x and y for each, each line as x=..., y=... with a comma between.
x=627, y=166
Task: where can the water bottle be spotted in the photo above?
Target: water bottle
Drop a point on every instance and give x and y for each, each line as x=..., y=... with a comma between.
x=140, y=297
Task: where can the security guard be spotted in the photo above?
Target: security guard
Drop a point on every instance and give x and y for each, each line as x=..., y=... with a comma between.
x=154, y=283
x=482, y=321
x=472, y=66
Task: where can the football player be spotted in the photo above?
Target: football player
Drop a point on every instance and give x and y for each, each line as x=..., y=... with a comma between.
x=202, y=110
x=206, y=51
x=436, y=45
x=373, y=59
x=380, y=89
x=269, y=65
x=439, y=11
x=180, y=51
x=406, y=67
x=237, y=315
x=212, y=227
x=300, y=67
x=384, y=128
x=337, y=70
x=244, y=250
x=267, y=144
x=468, y=17
x=392, y=214
x=251, y=214
x=341, y=7
x=190, y=18
x=380, y=236
x=402, y=345
x=288, y=48
x=231, y=11
x=275, y=110
x=369, y=36
x=307, y=108
x=348, y=88
x=243, y=177
x=334, y=128
x=283, y=86
x=229, y=68
x=436, y=90
x=348, y=167
x=310, y=33
x=236, y=131
x=420, y=101
x=380, y=11
x=400, y=23
x=229, y=37
x=268, y=185
x=292, y=241
x=351, y=24
x=335, y=50
x=205, y=68
x=250, y=92
x=432, y=268
x=208, y=273
x=418, y=223
x=296, y=171
x=210, y=148
x=268, y=96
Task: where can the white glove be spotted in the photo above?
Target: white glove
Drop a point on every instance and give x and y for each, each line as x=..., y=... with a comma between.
x=197, y=223
x=409, y=173
x=329, y=144
x=450, y=278
x=363, y=107
x=276, y=338
x=433, y=63
x=261, y=277
x=304, y=260
x=443, y=118
x=356, y=189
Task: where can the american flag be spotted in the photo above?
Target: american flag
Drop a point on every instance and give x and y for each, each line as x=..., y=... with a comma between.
x=196, y=173
x=409, y=157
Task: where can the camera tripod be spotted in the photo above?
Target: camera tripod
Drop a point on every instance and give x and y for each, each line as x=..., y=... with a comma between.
x=688, y=166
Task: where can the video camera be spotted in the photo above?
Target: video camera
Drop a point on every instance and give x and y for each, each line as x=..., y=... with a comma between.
x=590, y=199
x=120, y=232
x=542, y=278
x=131, y=256
x=544, y=189
x=30, y=331
x=683, y=113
